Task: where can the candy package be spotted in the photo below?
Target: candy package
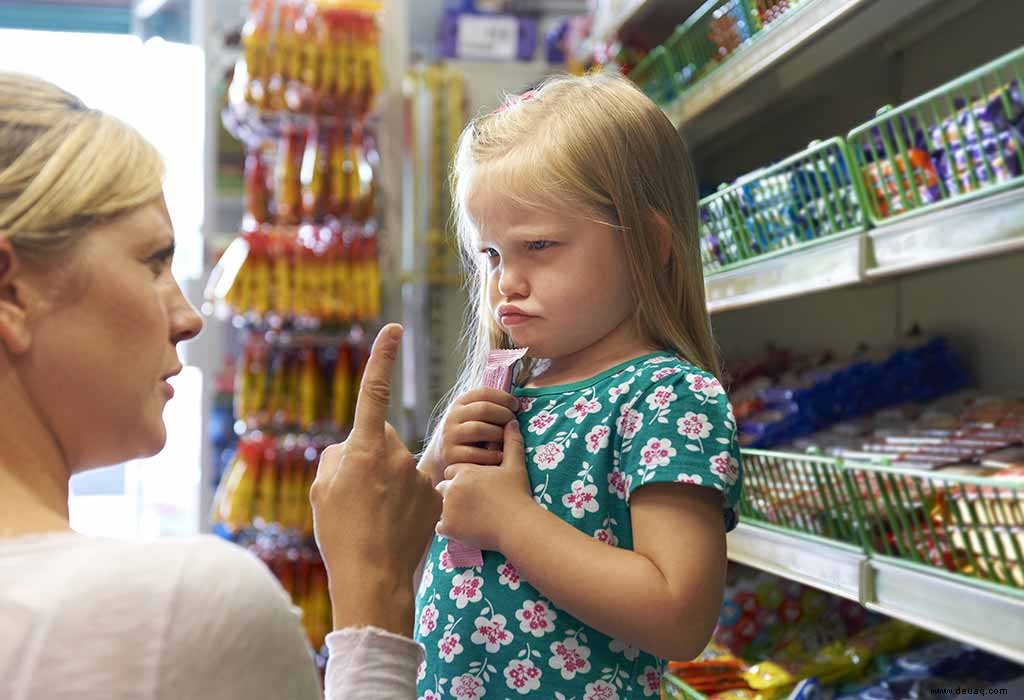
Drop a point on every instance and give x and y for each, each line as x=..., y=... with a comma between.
x=498, y=374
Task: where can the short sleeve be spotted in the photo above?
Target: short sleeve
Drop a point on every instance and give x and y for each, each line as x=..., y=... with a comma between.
x=678, y=427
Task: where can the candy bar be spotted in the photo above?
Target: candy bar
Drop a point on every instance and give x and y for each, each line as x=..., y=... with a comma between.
x=497, y=375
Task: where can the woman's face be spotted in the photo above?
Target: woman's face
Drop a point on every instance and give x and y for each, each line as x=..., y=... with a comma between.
x=102, y=348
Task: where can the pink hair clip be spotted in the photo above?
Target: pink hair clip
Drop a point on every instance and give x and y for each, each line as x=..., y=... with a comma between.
x=528, y=95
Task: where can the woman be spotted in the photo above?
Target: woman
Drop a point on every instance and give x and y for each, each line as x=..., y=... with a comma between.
x=90, y=318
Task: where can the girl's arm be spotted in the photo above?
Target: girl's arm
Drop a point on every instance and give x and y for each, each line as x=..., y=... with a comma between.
x=663, y=597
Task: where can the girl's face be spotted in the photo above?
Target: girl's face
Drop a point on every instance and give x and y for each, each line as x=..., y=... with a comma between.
x=558, y=284
x=102, y=349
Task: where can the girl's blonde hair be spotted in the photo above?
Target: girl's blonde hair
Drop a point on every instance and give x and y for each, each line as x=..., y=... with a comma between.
x=65, y=167
x=598, y=146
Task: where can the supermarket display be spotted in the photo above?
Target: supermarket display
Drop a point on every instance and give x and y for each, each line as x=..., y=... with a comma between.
x=960, y=139
x=803, y=198
x=906, y=160
x=807, y=394
x=301, y=282
x=703, y=42
x=780, y=639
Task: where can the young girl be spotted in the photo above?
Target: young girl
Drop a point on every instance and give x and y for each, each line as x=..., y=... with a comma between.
x=604, y=538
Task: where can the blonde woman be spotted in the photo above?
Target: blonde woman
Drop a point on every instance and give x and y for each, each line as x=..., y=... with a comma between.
x=605, y=546
x=90, y=318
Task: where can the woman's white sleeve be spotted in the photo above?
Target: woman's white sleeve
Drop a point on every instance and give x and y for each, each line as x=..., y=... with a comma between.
x=371, y=664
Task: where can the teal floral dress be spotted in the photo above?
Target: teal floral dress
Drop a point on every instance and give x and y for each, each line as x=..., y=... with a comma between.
x=589, y=446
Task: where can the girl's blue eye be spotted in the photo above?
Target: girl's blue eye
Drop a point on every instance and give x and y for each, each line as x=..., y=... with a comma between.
x=538, y=245
x=490, y=253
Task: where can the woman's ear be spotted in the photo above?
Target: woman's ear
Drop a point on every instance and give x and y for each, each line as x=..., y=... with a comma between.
x=663, y=231
x=14, y=330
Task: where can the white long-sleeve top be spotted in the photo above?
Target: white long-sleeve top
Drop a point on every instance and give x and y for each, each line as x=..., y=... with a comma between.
x=86, y=618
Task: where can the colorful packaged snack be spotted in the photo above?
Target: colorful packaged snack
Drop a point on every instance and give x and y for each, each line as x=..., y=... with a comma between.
x=497, y=375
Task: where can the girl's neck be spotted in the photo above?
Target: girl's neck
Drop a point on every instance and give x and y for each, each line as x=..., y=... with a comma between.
x=623, y=343
x=33, y=473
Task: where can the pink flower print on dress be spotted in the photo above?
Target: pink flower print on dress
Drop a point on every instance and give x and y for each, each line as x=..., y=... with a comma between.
x=582, y=408
x=619, y=482
x=695, y=426
x=508, y=575
x=548, y=455
x=657, y=453
x=659, y=360
x=630, y=422
x=525, y=403
x=709, y=386
x=421, y=671
x=569, y=657
x=617, y=392
x=660, y=398
x=725, y=466
x=522, y=676
x=541, y=422
x=428, y=620
x=491, y=633
x=466, y=588
x=582, y=500
x=650, y=681
x=445, y=561
x=537, y=618
x=449, y=646
x=606, y=535
x=597, y=438
x=664, y=372
x=600, y=690
x=690, y=479
x=429, y=695
x=468, y=687
x=628, y=651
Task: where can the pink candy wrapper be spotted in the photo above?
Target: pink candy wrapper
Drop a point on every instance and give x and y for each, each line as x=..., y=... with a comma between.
x=497, y=375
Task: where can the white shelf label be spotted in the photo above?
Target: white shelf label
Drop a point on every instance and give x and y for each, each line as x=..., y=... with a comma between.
x=489, y=38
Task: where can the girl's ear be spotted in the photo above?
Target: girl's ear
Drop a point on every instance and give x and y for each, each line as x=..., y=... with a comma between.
x=663, y=231
x=14, y=330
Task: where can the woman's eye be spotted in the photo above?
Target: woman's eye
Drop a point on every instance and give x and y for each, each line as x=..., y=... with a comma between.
x=160, y=262
x=491, y=253
x=538, y=245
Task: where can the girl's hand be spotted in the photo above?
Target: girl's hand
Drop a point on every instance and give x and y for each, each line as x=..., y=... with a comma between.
x=475, y=419
x=482, y=503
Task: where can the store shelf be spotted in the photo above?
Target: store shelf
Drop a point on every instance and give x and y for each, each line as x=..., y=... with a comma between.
x=981, y=228
x=825, y=264
x=793, y=50
x=985, y=227
x=984, y=617
x=830, y=566
x=648, y=20
x=987, y=619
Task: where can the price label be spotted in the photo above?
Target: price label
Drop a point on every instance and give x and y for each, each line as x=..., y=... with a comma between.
x=488, y=38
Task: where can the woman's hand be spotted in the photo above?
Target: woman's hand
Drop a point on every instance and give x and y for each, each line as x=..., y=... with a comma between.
x=373, y=512
x=483, y=503
x=473, y=429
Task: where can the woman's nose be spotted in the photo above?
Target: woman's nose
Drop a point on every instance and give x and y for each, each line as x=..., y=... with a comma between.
x=186, y=323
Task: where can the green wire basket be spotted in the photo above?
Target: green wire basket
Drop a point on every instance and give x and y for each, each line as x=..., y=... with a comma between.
x=805, y=494
x=956, y=143
x=674, y=689
x=967, y=528
x=805, y=198
x=712, y=33
x=655, y=77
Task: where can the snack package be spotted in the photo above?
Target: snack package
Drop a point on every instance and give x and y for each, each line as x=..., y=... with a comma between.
x=497, y=375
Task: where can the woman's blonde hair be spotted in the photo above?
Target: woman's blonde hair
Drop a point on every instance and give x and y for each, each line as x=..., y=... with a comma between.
x=600, y=147
x=65, y=167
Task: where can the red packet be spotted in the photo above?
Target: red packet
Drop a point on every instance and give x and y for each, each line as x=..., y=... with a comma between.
x=497, y=375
